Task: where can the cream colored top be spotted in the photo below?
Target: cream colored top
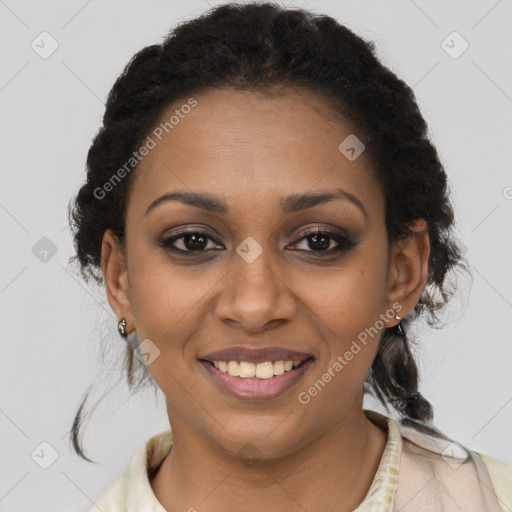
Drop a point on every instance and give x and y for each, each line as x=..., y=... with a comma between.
x=417, y=473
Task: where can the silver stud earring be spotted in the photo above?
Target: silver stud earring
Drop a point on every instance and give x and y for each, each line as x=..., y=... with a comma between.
x=121, y=327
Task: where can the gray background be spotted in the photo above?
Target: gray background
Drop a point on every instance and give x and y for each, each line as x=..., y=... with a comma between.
x=55, y=327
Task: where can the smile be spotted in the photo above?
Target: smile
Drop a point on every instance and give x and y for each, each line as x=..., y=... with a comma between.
x=264, y=370
x=264, y=380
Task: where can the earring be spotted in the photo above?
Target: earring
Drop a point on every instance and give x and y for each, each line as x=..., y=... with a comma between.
x=399, y=329
x=121, y=327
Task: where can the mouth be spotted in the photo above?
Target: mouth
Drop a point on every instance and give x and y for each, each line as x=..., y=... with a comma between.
x=258, y=370
x=256, y=379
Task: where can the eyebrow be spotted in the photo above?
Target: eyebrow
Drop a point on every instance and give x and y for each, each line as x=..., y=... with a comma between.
x=290, y=204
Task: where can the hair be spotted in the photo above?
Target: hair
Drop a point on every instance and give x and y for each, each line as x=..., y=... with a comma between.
x=262, y=47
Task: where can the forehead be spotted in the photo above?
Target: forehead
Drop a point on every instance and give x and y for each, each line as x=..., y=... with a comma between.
x=251, y=146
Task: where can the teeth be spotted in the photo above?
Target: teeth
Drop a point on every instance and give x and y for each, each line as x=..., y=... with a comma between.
x=246, y=370
x=278, y=367
x=265, y=370
x=233, y=368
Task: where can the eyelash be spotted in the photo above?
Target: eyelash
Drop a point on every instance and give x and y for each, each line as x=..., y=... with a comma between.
x=344, y=243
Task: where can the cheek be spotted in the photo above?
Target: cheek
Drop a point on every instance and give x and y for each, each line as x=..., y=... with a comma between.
x=349, y=303
x=349, y=299
x=166, y=305
x=169, y=304
x=160, y=292
x=349, y=306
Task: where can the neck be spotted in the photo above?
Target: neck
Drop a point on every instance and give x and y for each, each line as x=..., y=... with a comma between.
x=333, y=472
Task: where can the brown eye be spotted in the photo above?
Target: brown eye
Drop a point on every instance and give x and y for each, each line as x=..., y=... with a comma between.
x=188, y=241
x=328, y=242
x=195, y=241
x=319, y=241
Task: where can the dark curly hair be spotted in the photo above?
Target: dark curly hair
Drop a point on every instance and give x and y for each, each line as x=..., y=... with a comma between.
x=264, y=47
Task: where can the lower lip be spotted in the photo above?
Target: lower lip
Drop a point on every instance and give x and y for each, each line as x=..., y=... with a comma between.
x=257, y=389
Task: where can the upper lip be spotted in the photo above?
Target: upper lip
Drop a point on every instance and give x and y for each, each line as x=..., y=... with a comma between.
x=255, y=355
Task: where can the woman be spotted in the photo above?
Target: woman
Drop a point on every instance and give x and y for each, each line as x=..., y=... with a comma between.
x=269, y=218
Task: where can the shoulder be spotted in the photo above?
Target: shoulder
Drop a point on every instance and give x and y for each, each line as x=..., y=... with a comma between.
x=501, y=477
x=114, y=497
x=450, y=474
x=132, y=488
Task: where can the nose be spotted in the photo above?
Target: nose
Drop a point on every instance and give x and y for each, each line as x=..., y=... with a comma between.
x=254, y=296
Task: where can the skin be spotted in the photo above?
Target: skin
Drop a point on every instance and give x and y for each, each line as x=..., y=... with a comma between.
x=251, y=150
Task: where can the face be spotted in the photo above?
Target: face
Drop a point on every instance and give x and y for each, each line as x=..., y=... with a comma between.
x=261, y=268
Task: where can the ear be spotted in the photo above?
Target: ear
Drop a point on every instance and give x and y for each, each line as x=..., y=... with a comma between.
x=408, y=268
x=115, y=275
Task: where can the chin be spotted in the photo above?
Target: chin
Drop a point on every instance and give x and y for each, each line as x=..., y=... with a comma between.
x=272, y=441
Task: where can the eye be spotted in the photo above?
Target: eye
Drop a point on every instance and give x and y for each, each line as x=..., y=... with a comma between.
x=190, y=241
x=321, y=241
x=317, y=241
